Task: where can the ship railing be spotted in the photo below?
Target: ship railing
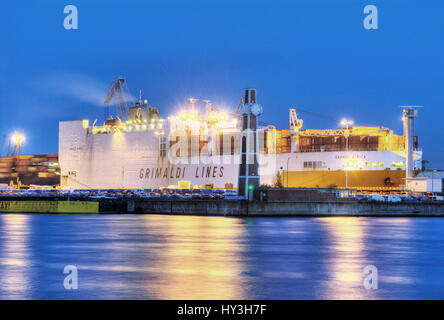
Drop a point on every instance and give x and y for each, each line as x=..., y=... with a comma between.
x=344, y=150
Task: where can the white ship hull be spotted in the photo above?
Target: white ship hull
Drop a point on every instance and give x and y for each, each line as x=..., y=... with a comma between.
x=131, y=160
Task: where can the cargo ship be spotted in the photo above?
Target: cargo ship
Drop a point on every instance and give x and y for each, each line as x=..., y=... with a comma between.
x=205, y=147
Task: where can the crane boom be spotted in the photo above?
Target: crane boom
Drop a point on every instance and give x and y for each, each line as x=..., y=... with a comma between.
x=118, y=90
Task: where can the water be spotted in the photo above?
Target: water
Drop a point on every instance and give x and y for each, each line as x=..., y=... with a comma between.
x=191, y=257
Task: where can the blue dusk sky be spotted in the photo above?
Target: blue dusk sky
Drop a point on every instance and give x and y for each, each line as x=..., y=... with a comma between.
x=314, y=55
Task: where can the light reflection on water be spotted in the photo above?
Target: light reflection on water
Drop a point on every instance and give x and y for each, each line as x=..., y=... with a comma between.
x=191, y=257
x=346, y=259
x=201, y=258
x=14, y=257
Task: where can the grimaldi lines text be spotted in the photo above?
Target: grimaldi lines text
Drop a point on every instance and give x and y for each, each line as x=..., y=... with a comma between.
x=179, y=172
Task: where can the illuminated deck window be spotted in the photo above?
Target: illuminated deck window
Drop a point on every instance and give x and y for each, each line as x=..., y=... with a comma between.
x=374, y=164
x=398, y=164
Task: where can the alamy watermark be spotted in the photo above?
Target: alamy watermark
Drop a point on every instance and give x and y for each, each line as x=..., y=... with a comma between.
x=71, y=280
x=224, y=148
x=371, y=20
x=371, y=278
x=71, y=21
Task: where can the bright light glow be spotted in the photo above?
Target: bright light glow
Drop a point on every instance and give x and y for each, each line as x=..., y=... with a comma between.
x=346, y=122
x=352, y=164
x=18, y=138
x=184, y=116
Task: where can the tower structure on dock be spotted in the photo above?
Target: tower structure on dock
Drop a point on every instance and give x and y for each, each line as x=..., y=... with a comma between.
x=409, y=114
x=249, y=164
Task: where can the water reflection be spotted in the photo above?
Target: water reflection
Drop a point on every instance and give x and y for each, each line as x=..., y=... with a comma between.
x=201, y=258
x=14, y=256
x=162, y=257
x=186, y=257
x=346, y=258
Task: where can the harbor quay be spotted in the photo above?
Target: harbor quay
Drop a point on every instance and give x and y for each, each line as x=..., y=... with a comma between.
x=316, y=207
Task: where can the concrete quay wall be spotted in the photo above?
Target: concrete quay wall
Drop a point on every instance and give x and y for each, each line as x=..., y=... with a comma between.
x=300, y=208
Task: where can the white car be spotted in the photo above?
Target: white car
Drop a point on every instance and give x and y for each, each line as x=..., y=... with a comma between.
x=392, y=198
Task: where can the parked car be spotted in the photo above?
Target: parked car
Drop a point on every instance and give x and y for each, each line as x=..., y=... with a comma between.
x=408, y=199
x=207, y=194
x=218, y=194
x=230, y=192
x=376, y=197
x=361, y=197
x=393, y=198
x=196, y=194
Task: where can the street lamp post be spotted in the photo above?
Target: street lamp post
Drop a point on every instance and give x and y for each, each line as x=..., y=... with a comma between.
x=346, y=123
x=433, y=181
x=287, y=170
x=17, y=139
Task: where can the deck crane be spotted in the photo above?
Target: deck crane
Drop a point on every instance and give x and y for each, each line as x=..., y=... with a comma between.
x=295, y=123
x=118, y=90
